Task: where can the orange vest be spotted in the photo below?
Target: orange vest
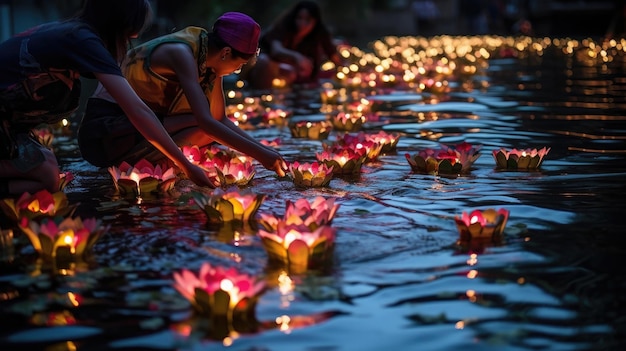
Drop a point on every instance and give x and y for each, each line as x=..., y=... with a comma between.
x=162, y=95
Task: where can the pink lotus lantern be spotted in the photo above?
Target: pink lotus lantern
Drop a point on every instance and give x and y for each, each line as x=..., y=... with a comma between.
x=312, y=215
x=519, y=159
x=350, y=122
x=231, y=205
x=299, y=247
x=65, y=179
x=234, y=172
x=389, y=141
x=487, y=224
x=311, y=130
x=448, y=160
x=344, y=161
x=44, y=136
x=38, y=205
x=197, y=156
x=142, y=179
x=65, y=238
x=370, y=149
x=220, y=293
x=276, y=116
x=310, y=174
x=466, y=154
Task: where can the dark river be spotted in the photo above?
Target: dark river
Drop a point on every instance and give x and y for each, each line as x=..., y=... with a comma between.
x=400, y=279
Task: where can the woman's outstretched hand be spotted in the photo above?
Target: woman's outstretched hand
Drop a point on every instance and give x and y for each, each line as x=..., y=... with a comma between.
x=275, y=162
x=198, y=175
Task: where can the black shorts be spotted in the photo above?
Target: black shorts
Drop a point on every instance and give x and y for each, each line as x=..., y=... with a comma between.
x=106, y=137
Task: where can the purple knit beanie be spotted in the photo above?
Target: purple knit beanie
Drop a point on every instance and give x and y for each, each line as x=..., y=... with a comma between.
x=239, y=31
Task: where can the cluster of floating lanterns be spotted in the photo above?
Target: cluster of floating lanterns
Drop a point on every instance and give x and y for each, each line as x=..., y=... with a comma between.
x=303, y=238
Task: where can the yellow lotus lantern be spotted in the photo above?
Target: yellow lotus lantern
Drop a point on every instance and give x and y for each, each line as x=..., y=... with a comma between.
x=63, y=238
x=298, y=247
x=142, y=179
x=487, y=224
x=230, y=205
x=37, y=205
x=310, y=174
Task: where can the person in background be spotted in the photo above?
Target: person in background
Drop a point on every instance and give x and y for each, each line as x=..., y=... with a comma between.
x=293, y=48
x=179, y=76
x=40, y=73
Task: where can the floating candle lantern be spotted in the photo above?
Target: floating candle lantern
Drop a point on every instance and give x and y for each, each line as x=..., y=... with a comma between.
x=234, y=172
x=310, y=174
x=66, y=238
x=350, y=122
x=38, y=205
x=298, y=247
x=344, y=161
x=44, y=136
x=142, y=179
x=220, y=292
x=230, y=205
x=425, y=162
x=312, y=215
x=519, y=159
x=359, y=143
x=311, y=130
x=465, y=153
x=448, y=160
x=65, y=179
x=487, y=224
x=389, y=141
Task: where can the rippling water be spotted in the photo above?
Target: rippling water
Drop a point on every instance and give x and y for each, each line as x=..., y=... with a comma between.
x=399, y=279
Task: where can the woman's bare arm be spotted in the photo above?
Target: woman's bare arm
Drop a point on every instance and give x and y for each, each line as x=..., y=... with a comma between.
x=149, y=125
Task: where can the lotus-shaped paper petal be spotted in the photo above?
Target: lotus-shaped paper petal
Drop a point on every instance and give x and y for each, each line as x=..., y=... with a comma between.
x=230, y=205
x=311, y=130
x=142, y=178
x=312, y=215
x=487, y=224
x=299, y=247
x=310, y=174
x=37, y=205
x=71, y=238
x=235, y=172
x=217, y=291
x=344, y=161
x=520, y=159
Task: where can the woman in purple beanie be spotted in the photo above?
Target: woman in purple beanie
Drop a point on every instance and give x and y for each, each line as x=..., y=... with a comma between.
x=179, y=75
x=40, y=72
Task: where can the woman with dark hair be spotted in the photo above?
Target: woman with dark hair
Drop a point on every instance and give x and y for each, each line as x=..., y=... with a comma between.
x=294, y=48
x=40, y=73
x=179, y=75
